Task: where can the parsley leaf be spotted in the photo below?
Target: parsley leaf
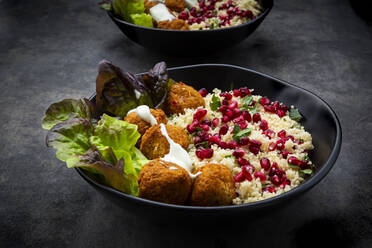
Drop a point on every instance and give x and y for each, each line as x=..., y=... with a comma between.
x=247, y=100
x=198, y=129
x=254, y=109
x=215, y=103
x=293, y=166
x=307, y=171
x=238, y=133
x=306, y=158
x=228, y=156
x=295, y=115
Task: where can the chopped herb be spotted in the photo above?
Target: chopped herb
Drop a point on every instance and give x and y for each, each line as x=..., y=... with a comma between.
x=106, y=6
x=307, y=171
x=238, y=133
x=293, y=166
x=247, y=100
x=295, y=115
x=306, y=158
x=215, y=103
x=211, y=26
x=204, y=144
x=228, y=156
x=254, y=108
x=198, y=129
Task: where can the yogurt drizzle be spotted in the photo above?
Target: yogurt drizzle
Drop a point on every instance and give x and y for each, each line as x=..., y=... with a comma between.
x=176, y=154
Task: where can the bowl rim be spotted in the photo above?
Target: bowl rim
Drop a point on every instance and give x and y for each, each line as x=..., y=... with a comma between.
x=312, y=181
x=262, y=15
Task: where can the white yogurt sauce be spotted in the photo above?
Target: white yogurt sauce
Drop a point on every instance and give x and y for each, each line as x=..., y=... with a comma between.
x=177, y=154
x=160, y=12
x=143, y=111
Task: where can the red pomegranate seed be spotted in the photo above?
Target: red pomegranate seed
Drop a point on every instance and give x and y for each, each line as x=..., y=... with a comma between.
x=269, y=108
x=205, y=136
x=260, y=175
x=232, y=144
x=265, y=163
x=275, y=180
x=233, y=104
x=246, y=115
x=264, y=101
x=223, y=130
x=239, y=119
x=206, y=122
x=269, y=133
x=226, y=95
x=270, y=189
x=238, y=153
x=273, y=169
x=285, y=154
x=272, y=146
x=243, y=125
x=253, y=149
x=242, y=161
x=223, y=145
x=255, y=143
x=225, y=102
x=283, y=107
x=256, y=117
x=280, y=173
x=225, y=119
x=204, y=153
x=215, y=122
x=282, y=133
x=236, y=112
x=236, y=93
x=280, y=144
x=229, y=113
x=276, y=105
x=200, y=113
x=239, y=178
x=205, y=127
x=222, y=108
x=291, y=138
x=263, y=125
x=214, y=139
x=284, y=183
x=197, y=140
x=293, y=160
x=244, y=141
x=247, y=173
x=280, y=113
x=244, y=91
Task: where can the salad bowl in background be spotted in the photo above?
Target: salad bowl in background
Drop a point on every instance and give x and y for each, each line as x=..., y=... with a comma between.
x=319, y=120
x=190, y=42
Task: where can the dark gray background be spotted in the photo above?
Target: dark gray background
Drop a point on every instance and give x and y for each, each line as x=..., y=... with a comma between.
x=49, y=50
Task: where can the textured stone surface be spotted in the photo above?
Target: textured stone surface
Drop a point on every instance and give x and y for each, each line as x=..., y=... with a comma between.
x=49, y=50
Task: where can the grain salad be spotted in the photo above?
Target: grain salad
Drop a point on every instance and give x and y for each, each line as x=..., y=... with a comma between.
x=260, y=141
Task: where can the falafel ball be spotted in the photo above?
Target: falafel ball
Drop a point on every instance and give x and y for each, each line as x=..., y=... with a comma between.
x=181, y=96
x=155, y=145
x=214, y=187
x=176, y=5
x=142, y=125
x=164, y=182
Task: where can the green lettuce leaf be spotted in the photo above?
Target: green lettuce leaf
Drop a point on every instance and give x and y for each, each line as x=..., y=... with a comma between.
x=143, y=19
x=65, y=110
x=111, y=174
x=70, y=137
x=126, y=8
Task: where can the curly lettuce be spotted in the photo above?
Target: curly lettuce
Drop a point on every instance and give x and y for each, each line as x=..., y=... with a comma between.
x=132, y=11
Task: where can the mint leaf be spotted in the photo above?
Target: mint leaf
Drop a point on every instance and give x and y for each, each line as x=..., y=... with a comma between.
x=307, y=171
x=198, y=129
x=215, y=103
x=293, y=166
x=247, y=100
x=295, y=115
x=306, y=158
x=254, y=108
x=238, y=133
x=228, y=156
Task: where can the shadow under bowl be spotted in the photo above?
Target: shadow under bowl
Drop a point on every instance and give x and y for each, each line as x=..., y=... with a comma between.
x=186, y=42
x=319, y=119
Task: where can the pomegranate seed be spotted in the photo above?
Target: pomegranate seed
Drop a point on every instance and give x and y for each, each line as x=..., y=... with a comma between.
x=253, y=149
x=263, y=125
x=223, y=130
x=239, y=119
x=283, y=107
x=284, y=183
x=270, y=189
x=273, y=169
x=215, y=139
x=215, y=122
x=276, y=105
x=246, y=172
x=226, y=95
x=223, y=145
x=197, y=140
x=269, y=133
x=204, y=153
x=236, y=112
x=265, y=163
x=243, y=125
x=229, y=113
x=232, y=144
x=285, y=154
x=272, y=146
x=206, y=122
x=225, y=119
x=256, y=117
x=249, y=14
x=269, y=108
x=242, y=161
x=246, y=115
x=233, y=104
x=238, y=153
x=205, y=136
x=222, y=108
x=255, y=143
x=225, y=102
x=239, y=178
x=293, y=160
x=184, y=16
x=280, y=144
x=260, y=175
x=243, y=141
x=275, y=180
x=205, y=127
x=280, y=113
x=236, y=93
x=264, y=101
x=291, y=138
x=200, y=113
x=280, y=173
x=244, y=91
x=282, y=133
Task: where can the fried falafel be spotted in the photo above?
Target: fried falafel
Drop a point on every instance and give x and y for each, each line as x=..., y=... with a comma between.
x=164, y=182
x=214, y=187
x=181, y=96
x=155, y=145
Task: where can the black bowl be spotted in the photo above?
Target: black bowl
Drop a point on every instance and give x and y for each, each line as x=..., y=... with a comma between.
x=190, y=42
x=320, y=120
